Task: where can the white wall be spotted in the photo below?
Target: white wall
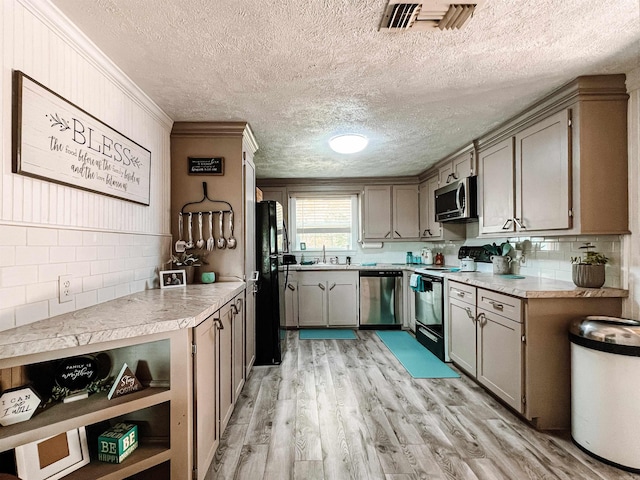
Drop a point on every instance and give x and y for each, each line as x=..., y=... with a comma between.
x=111, y=247
x=631, y=243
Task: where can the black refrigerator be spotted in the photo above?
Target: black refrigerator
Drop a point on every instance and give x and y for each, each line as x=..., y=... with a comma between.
x=270, y=244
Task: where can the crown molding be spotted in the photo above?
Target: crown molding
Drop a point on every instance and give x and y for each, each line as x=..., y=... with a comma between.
x=58, y=23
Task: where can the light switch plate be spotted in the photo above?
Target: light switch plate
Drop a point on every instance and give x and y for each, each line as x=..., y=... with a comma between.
x=65, y=288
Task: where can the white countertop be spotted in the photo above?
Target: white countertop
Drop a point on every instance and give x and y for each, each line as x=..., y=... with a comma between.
x=533, y=287
x=527, y=287
x=143, y=313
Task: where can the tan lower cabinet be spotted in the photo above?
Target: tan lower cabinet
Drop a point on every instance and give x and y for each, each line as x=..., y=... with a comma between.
x=219, y=376
x=486, y=339
x=500, y=348
x=518, y=348
x=238, y=346
x=206, y=424
x=328, y=299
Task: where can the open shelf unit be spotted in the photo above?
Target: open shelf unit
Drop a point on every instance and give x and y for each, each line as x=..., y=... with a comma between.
x=160, y=411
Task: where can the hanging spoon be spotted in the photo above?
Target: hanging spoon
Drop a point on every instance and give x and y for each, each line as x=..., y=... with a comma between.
x=200, y=243
x=232, y=240
x=180, y=244
x=222, y=242
x=190, y=241
x=211, y=243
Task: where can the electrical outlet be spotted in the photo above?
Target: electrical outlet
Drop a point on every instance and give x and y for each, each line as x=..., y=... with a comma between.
x=65, y=288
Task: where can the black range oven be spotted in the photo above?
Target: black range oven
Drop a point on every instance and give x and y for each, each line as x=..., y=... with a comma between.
x=429, y=312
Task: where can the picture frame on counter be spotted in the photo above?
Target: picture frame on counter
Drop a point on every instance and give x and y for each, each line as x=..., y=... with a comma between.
x=173, y=278
x=53, y=457
x=57, y=141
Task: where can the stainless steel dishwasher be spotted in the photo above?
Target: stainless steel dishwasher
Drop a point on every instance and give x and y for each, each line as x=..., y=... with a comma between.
x=380, y=299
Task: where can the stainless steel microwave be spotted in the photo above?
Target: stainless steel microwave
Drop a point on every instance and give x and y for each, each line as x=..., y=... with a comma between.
x=456, y=202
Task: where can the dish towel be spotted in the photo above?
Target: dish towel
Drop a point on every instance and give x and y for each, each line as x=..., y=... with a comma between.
x=413, y=281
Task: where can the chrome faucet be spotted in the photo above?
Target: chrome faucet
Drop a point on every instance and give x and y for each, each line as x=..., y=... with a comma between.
x=324, y=255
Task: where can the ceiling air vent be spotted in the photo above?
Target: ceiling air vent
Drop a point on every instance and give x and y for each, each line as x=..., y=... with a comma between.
x=428, y=14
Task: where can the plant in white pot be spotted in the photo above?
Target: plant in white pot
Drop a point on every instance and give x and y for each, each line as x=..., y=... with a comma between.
x=499, y=257
x=588, y=271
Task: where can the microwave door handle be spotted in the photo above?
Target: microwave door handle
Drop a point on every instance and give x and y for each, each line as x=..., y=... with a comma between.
x=459, y=190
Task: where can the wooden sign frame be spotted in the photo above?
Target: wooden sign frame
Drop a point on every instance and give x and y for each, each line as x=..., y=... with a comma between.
x=55, y=140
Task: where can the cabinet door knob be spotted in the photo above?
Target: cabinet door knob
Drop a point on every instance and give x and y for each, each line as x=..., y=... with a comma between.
x=321, y=285
x=331, y=287
x=234, y=309
x=291, y=287
x=470, y=314
x=481, y=319
x=218, y=324
x=507, y=223
x=388, y=233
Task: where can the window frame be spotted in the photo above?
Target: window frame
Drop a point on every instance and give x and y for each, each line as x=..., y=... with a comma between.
x=355, y=220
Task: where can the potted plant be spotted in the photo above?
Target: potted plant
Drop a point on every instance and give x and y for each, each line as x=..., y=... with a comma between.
x=588, y=271
x=187, y=262
x=499, y=257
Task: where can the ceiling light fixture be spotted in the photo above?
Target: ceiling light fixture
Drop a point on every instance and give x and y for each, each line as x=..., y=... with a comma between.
x=348, y=143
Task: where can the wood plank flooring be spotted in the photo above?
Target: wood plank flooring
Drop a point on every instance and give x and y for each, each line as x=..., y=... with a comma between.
x=347, y=409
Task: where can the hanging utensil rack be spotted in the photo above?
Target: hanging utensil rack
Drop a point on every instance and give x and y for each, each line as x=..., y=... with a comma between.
x=206, y=198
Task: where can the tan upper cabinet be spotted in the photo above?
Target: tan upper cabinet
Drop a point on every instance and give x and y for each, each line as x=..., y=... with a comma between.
x=543, y=161
x=560, y=167
x=527, y=188
x=406, y=215
x=496, y=204
x=377, y=212
x=391, y=212
x=461, y=166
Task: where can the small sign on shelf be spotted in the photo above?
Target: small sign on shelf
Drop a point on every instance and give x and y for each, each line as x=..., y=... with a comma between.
x=18, y=405
x=126, y=382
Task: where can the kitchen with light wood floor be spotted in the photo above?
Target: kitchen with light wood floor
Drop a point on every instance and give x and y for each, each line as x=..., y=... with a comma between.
x=347, y=409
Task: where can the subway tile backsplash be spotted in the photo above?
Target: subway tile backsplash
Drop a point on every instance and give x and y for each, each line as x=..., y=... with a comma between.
x=104, y=266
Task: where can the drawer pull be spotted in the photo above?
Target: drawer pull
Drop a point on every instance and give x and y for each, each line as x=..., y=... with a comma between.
x=496, y=305
x=460, y=293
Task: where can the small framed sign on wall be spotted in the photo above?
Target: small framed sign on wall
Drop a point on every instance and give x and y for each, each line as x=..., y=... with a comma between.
x=206, y=166
x=57, y=141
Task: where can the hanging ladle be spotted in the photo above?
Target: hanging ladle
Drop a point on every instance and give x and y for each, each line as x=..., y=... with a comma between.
x=180, y=244
x=222, y=242
x=190, y=229
x=200, y=243
x=232, y=241
x=211, y=243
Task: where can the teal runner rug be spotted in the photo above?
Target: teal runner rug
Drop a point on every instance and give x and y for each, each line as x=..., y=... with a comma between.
x=418, y=361
x=326, y=334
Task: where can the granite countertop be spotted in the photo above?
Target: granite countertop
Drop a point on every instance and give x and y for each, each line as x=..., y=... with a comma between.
x=143, y=313
x=527, y=287
x=354, y=266
x=533, y=287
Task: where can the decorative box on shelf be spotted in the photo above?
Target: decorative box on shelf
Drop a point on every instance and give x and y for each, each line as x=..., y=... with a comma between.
x=118, y=442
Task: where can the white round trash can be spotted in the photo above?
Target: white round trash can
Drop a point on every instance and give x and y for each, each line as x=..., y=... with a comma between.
x=605, y=389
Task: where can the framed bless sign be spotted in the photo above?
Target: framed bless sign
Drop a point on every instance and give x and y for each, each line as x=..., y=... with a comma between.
x=57, y=141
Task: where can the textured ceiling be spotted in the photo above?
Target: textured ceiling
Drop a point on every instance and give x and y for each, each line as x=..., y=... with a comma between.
x=301, y=72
